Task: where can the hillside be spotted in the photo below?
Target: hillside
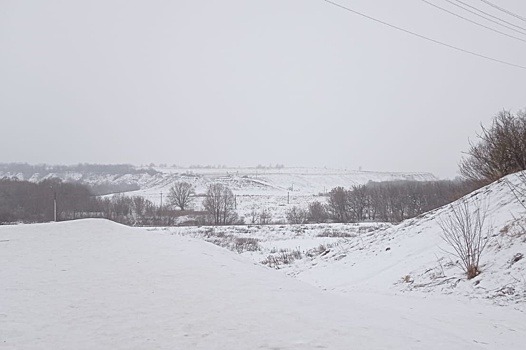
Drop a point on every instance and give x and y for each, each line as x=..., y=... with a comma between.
x=413, y=256
x=408, y=257
x=243, y=181
x=92, y=284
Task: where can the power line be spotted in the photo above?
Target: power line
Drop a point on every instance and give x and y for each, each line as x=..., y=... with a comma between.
x=504, y=10
x=489, y=14
x=469, y=20
x=486, y=18
x=424, y=37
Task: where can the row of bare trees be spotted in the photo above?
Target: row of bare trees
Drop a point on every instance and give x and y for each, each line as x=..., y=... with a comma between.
x=390, y=201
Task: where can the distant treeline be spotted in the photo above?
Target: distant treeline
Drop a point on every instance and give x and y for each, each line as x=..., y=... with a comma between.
x=29, y=202
x=392, y=201
x=28, y=170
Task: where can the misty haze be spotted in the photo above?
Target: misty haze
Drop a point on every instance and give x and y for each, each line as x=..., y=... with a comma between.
x=279, y=174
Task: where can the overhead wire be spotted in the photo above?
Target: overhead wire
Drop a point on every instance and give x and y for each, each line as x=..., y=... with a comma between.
x=504, y=10
x=458, y=2
x=471, y=21
x=489, y=14
x=423, y=36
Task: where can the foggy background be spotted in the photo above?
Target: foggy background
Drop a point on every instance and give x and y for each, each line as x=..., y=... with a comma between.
x=297, y=82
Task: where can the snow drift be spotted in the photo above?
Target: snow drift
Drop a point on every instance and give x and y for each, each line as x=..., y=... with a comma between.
x=93, y=284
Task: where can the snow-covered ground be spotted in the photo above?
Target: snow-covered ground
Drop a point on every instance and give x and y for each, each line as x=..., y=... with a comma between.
x=93, y=284
x=409, y=257
x=273, y=189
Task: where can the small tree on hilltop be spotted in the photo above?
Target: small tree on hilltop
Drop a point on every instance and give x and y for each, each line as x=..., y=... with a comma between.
x=180, y=195
x=501, y=149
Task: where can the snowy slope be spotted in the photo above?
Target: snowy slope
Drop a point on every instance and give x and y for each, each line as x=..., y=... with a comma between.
x=93, y=284
x=409, y=257
x=243, y=181
x=255, y=181
x=413, y=256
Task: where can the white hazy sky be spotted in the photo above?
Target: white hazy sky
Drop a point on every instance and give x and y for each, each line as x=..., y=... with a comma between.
x=247, y=82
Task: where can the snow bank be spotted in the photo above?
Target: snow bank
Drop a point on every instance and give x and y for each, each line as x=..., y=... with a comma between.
x=93, y=284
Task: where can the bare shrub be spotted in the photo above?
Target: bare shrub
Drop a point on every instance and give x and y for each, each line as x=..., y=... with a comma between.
x=284, y=257
x=501, y=149
x=317, y=212
x=296, y=215
x=265, y=217
x=246, y=244
x=465, y=231
x=231, y=242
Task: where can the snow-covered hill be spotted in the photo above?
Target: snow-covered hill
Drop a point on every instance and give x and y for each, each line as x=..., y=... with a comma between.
x=413, y=256
x=409, y=257
x=243, y=181
x=271, y=181
x=92, y=284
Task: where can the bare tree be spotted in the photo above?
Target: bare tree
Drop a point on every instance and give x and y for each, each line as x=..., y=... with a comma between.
x=317, y=212
x=296, y=215
x=338, y=204
x=501, y=149
x=265, y=217
x=180, y=195
x=219, y=203
x=465, y=231
x=358, y=201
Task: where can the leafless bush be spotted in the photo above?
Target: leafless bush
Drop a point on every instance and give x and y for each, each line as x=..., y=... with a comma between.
x=318, y=212
x=311, y=253
x=501, y=149
x=465, y=231
x=284, y=257
x=233, y=243
x=296, y=215
x=265, y=217
x=334, y=233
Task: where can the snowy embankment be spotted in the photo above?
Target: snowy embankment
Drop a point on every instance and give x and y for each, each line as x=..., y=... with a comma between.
x=93, y=284
x=413, y=256
x=409, y=257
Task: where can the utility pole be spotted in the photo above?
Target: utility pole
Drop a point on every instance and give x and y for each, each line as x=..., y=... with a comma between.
x=55, y=206
x=288, y=197
x=161, y=206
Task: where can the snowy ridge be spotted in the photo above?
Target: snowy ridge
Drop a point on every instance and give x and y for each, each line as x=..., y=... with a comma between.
x=243, y=181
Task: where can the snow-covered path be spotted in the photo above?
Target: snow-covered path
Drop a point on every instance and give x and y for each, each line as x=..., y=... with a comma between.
x=93, y=284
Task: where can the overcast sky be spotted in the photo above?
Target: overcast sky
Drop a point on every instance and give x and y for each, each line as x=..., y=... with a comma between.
x=247, y=82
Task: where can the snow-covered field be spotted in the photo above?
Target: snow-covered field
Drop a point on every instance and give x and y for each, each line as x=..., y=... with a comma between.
x=273, y=189
x=93, y=284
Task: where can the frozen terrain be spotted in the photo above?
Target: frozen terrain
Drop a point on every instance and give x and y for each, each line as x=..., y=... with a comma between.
x=93, y=284
x=409, y=257
x=273, y=189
